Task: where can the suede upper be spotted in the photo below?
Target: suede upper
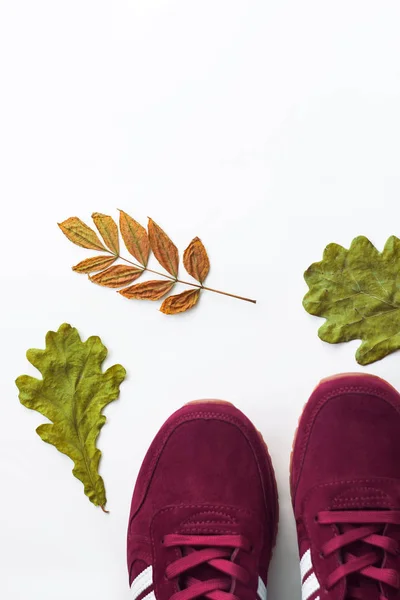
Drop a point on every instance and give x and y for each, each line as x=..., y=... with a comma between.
x=346, y=457
x=206, y=473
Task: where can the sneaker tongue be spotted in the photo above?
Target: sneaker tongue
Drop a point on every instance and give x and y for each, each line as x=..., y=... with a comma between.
x=367, y=500
x=206, y=521
x=368, y=590
x=204, y=572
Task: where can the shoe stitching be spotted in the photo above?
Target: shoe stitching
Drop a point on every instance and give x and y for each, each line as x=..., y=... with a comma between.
x=371, y=391
x=190, y=417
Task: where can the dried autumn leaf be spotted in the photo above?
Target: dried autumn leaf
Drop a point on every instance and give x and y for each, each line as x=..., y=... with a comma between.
x=148, y=290
x=96, y=263
x=117, y=276
x=180, y=303
x=195, y=260
x=108, y=230
x=135, y=238
x=164, y=249
x=139, y=243
x=358, y=294
x=80, y=234
x=72, y=395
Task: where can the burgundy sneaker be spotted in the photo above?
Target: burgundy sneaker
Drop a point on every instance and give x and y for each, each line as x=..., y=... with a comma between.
x=345, y=485
x=204, y=511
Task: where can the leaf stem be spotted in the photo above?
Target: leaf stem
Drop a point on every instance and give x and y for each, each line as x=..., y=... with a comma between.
x=196, y=285
x=147, y=269
x=203, y=287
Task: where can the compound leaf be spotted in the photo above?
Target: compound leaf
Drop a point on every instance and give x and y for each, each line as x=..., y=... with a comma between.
x=139, y=243
x=357, y=291
x=72, y=394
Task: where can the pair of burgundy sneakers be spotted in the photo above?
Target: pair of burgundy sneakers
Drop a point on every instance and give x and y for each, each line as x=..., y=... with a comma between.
x=204, y=513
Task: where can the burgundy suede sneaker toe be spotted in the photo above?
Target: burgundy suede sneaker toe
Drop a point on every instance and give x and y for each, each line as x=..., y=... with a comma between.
x=204, y=510
x=345, y=485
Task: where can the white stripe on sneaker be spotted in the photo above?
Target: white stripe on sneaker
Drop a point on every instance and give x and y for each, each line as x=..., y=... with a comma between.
x=151, y=596
x=310, y=586
x=310, y=583
x=143, y=581
x=262, y=590
x=305, y=564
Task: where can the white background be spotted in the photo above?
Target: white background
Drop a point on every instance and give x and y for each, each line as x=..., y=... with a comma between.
x=267, y=128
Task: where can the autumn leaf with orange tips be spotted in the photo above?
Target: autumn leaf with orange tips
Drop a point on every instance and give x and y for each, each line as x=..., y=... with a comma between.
x=140, y=243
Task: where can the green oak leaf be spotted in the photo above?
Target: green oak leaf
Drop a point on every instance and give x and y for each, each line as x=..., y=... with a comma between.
x=357, y=291
x=72, y=394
